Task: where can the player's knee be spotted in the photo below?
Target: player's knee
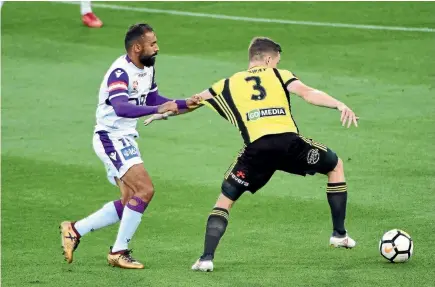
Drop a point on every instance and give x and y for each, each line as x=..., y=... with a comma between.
x=144, y=191
x=339, y=168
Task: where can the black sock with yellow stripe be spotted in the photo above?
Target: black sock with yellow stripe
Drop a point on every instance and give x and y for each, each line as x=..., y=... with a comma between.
x=337, y=199
x=216, y=225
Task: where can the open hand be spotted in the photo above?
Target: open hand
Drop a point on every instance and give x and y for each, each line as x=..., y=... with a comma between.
x=156, y=117
x=347, y=115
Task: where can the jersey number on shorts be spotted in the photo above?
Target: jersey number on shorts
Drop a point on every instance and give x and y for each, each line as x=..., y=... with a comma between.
x=257, y=87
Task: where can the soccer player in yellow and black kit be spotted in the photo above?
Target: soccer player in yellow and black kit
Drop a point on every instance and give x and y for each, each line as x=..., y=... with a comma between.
x=257, y=102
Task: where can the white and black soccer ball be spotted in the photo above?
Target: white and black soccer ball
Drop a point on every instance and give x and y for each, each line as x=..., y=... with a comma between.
x=396, y=246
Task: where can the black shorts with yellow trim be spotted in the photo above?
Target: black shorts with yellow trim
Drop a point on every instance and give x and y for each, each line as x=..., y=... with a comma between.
x=288, y=152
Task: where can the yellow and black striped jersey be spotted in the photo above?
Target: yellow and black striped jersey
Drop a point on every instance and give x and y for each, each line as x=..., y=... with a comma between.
x=256, y=101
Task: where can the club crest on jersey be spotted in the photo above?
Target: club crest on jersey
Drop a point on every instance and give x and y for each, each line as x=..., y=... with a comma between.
x=261, y=113
x=135, y=86
x=313, y=156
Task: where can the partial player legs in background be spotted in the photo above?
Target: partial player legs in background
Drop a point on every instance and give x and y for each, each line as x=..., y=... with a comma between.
x=337, y=198
x=88, y=17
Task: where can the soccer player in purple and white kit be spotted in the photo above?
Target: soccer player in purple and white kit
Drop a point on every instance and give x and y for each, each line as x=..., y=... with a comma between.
x=127, y=92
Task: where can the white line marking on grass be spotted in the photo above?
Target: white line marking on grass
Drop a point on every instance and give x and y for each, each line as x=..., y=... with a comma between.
x=258, y=20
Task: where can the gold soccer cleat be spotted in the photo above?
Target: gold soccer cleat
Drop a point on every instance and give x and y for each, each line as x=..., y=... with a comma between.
x=123, y=259
x=70, y=240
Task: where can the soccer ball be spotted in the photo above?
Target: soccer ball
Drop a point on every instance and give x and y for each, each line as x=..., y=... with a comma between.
x=396, y=246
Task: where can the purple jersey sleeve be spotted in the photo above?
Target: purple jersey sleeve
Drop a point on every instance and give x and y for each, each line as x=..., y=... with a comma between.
x=126, y=110
x=117, y=83
x=155, y=99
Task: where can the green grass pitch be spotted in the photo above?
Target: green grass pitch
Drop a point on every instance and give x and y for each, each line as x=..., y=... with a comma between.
x=51, y=68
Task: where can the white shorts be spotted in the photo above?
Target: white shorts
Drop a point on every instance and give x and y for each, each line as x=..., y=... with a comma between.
x=118, y=153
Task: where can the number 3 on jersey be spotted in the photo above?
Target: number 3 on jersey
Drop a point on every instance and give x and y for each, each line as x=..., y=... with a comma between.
x=257, y=87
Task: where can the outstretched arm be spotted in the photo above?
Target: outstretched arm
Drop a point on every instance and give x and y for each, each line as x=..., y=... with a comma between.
x=322, y=99
x=117, y=88
x=192, y=104
x=313, y=96
x=127, y=110
x=155, y=99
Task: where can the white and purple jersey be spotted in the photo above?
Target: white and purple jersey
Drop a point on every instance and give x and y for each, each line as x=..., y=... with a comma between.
x=126, y=94
x=124, y=79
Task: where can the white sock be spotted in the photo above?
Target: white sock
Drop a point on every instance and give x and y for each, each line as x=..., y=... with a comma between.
x=85, y=7
x=109, y=214
x=131, y=217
